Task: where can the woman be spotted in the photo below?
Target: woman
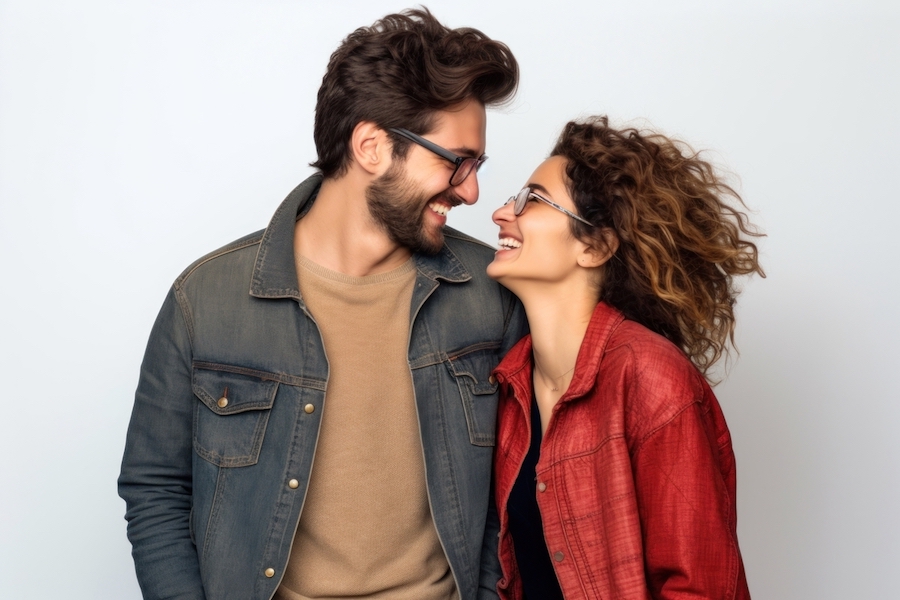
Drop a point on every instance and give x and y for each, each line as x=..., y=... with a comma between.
x=614, y=469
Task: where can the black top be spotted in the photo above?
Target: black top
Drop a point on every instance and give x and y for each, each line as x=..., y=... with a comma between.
x=526, y=527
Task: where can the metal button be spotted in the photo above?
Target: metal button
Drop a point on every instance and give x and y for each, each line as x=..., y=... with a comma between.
x=542, y=487
x=270, y=572
x=309, y=408
x=223, y=402
x=293, y=484
x=558, y=556
x=492, y=380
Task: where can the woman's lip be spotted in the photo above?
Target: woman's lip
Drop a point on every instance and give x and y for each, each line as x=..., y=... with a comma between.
x=508, y=242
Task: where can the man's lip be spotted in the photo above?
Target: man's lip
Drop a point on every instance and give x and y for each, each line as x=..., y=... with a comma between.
x=447, y=197
x=445, y=205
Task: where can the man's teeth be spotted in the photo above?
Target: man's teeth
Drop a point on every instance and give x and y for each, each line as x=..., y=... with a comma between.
x=509, y=243
x=439, y=208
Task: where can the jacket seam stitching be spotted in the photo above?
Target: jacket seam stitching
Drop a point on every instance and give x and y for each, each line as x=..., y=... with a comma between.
x=640, y=445
x=217, y=254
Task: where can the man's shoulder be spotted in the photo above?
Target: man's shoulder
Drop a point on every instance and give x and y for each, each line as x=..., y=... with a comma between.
x=468, y=248
x=225, y=259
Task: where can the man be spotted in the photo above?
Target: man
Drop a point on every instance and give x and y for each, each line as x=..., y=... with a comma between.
x=315, y=416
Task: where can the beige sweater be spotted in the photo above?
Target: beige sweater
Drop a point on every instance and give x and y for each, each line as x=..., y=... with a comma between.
x=366, y=528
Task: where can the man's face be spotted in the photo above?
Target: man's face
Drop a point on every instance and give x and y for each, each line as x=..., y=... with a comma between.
x=411, y=200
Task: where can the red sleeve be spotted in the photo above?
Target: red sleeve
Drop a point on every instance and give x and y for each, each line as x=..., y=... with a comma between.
x=685, y=483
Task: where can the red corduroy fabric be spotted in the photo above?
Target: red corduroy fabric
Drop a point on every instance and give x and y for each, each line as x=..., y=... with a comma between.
x=636, y=467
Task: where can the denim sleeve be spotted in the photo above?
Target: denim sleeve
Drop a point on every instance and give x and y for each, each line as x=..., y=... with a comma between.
x=516, y=328
x=490, y=564
x=155, y=480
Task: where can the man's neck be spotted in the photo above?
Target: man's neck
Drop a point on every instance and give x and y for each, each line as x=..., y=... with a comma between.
x=340, y=234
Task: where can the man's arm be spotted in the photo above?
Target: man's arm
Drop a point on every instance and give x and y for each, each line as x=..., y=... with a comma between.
x=155, y=480
x=490, y=564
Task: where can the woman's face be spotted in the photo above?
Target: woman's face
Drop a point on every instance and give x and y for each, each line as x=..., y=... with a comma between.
x=537, y=247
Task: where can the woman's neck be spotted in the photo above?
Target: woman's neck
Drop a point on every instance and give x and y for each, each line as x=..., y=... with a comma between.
x=558, y=320
x=558, y=317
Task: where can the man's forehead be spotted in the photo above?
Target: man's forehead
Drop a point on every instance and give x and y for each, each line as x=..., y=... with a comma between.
x=462, y=128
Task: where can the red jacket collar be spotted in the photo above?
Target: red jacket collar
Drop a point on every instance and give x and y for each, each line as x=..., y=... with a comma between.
x=516, y=366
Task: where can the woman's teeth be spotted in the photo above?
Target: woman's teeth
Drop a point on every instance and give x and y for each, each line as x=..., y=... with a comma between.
x=508, y=243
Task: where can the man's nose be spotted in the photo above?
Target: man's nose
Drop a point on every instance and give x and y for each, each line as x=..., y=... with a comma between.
x=468, y=189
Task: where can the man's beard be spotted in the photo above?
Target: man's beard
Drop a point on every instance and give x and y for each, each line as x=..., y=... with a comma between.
x=399, y=208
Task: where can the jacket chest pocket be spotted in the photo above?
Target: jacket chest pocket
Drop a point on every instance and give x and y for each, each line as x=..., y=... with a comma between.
x=231, y=417
x=478, y=391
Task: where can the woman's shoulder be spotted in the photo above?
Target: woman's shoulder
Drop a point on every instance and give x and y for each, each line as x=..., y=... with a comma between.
x=656, y=378
x=647, y=347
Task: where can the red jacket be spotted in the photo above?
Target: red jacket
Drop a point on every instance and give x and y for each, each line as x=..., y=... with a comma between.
x=636, y=479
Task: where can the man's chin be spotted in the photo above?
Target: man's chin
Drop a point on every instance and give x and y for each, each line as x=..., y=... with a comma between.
x=432, y=244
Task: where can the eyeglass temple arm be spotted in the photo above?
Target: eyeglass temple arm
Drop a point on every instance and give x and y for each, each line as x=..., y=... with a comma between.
x=429, y=145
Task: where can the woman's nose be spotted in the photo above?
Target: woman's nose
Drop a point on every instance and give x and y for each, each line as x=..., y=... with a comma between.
x=503, y=214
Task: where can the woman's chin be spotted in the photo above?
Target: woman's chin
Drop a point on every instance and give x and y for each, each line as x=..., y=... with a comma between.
x=494, y=271
x=499, y=274
x=498, y=269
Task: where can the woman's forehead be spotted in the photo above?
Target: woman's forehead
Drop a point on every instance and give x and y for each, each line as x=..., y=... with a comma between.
x=549, y=178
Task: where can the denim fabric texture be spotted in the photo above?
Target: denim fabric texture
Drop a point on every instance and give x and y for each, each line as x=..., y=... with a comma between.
x=223, y=432
x=636, y=478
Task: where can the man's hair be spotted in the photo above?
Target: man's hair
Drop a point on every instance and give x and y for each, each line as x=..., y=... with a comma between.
x=398, y=73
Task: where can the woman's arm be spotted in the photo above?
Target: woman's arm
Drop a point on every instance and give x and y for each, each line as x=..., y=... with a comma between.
x=685, y=484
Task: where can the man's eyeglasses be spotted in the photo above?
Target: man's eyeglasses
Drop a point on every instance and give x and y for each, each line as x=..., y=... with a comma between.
x=464, y=164
x=521, y=200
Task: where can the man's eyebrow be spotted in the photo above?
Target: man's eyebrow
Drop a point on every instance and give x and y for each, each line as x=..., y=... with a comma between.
x=465, y=151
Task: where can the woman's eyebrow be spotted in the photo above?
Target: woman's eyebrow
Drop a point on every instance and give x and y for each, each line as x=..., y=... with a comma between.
x=539, y=187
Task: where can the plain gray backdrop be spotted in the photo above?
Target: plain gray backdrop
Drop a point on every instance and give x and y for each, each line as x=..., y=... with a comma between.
x=137, y=136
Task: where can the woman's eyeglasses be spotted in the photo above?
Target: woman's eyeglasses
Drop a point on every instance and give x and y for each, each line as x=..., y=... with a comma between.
x=521, y=200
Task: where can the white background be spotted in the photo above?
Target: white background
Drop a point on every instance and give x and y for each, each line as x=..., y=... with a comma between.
x=136, y=136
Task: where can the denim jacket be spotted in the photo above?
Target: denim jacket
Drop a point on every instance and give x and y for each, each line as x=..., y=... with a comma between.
x=231, y=394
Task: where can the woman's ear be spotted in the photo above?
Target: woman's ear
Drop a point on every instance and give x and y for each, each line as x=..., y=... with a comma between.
x=596, y=254
x=370, y=147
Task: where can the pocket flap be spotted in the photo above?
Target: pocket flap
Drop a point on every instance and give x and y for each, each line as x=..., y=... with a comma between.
x=478, y=391
x=227, y=393
x=476, y=366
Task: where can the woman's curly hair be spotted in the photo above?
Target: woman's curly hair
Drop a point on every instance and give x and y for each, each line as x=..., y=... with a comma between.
x=681, y=237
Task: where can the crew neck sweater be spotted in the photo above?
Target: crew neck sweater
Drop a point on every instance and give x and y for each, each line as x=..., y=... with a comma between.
x=366, y=529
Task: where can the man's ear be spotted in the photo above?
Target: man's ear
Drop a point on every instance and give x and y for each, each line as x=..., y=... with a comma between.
x=371, y=148
x=596, y=254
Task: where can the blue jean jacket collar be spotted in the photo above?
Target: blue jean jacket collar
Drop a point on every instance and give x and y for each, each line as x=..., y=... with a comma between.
x=275, y=272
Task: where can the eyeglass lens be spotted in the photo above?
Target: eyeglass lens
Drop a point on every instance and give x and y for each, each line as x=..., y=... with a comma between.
x=464, y=169
x=521, y=201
